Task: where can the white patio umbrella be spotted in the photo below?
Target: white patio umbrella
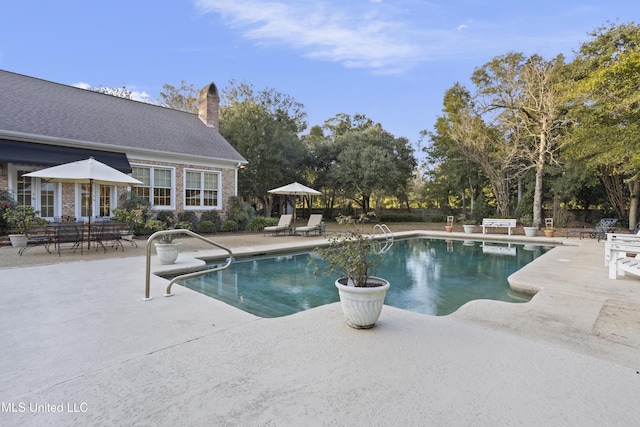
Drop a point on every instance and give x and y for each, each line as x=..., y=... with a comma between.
x=295, y=189
x=89, y=171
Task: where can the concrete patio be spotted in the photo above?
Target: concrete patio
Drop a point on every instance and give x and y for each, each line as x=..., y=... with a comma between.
x=80, y=347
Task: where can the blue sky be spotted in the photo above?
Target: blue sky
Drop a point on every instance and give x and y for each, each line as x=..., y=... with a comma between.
x=389, y=59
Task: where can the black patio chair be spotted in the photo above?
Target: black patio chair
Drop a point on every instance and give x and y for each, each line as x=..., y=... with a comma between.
x=36, y=236
x=606, y=225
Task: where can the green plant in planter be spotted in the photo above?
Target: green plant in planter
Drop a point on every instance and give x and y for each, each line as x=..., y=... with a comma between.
x=154, y=225
x=21, y=218
x=351, y=254
x=527, y=221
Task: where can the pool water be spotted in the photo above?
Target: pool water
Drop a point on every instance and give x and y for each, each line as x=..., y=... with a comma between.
x=430, y=276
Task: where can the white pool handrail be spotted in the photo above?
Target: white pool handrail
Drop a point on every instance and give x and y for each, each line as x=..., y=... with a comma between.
x=182, y=276
x=388, y=237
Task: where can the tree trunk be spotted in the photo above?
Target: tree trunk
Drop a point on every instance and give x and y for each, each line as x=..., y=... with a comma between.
x=537, y=196
x=501, y=191
x=472, y=196
x=365, y=203
x=634, y=191
x=267, y=201
x=613, y=185
x=520, y=190
x=537, y=193
x=464, y=202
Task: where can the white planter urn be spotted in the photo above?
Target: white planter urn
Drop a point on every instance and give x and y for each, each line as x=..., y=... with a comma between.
x=168, y=252
x=530, y=231
x=18, y=240
x=469, y=228
x=362, y=306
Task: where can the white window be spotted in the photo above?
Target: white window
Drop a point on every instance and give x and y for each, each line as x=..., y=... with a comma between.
x=157, y=185
x=202, y=190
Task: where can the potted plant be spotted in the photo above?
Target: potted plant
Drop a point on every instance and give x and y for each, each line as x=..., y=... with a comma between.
x=20, y=220
x=449, y=227
x=548, y=232
x=354, y=257
x=529, y=229
x=166, y=248
x=469, y=225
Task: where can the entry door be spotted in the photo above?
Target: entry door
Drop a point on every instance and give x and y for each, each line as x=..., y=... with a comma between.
x=97, y=203
x=41, y=195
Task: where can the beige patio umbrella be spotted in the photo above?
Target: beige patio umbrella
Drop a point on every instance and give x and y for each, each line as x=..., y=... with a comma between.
x=89, y=171
x=295, y=189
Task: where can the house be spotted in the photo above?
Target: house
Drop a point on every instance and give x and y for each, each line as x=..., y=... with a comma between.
x=184, y=163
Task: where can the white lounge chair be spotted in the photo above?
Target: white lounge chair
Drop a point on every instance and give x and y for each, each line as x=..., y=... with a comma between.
x=615, y=240
x=314, y=224
x=283, y=226
x=619, y=266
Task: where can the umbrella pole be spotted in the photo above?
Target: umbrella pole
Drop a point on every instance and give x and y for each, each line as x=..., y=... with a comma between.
x=90, y=212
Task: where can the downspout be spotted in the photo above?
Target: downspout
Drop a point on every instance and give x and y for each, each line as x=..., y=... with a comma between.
x=238, y=166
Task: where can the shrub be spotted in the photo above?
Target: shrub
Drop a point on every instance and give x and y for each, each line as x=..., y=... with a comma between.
x=400, y=217
x=214, y=217
x=167, y=217
x=7, y=202
x=230, y=225
x=206, y=227
x=260, y=222
x=132, y=207
x=240, y=212
x=188, y=217
x=185, y=224
x=438, y=218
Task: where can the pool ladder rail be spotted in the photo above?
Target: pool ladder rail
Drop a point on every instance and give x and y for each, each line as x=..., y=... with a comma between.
x=168, y=293
x=388, y=235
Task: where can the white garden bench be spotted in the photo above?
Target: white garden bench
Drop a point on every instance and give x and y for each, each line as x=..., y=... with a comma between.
x=498, y=222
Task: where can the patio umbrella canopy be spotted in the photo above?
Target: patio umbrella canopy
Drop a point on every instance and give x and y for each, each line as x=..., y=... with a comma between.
x=89, y=171
x=295, y=189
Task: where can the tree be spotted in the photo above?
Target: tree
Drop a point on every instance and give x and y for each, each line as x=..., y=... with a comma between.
x=605, y=109
x=184, y=98
x=322, y=154
x=370, y=159
x=523, y=94
x=263, y=126
x=462, y=130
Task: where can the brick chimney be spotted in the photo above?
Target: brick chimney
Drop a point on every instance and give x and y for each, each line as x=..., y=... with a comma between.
x=209, y=105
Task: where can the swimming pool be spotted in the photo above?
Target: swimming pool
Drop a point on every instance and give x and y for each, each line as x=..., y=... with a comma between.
x=429, y=276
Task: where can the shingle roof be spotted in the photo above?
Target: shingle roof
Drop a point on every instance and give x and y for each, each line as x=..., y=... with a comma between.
x=39, y=107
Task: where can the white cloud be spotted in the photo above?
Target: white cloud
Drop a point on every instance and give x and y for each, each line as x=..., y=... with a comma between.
x=385, y=37
x=141, y=96
x=356, y=37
